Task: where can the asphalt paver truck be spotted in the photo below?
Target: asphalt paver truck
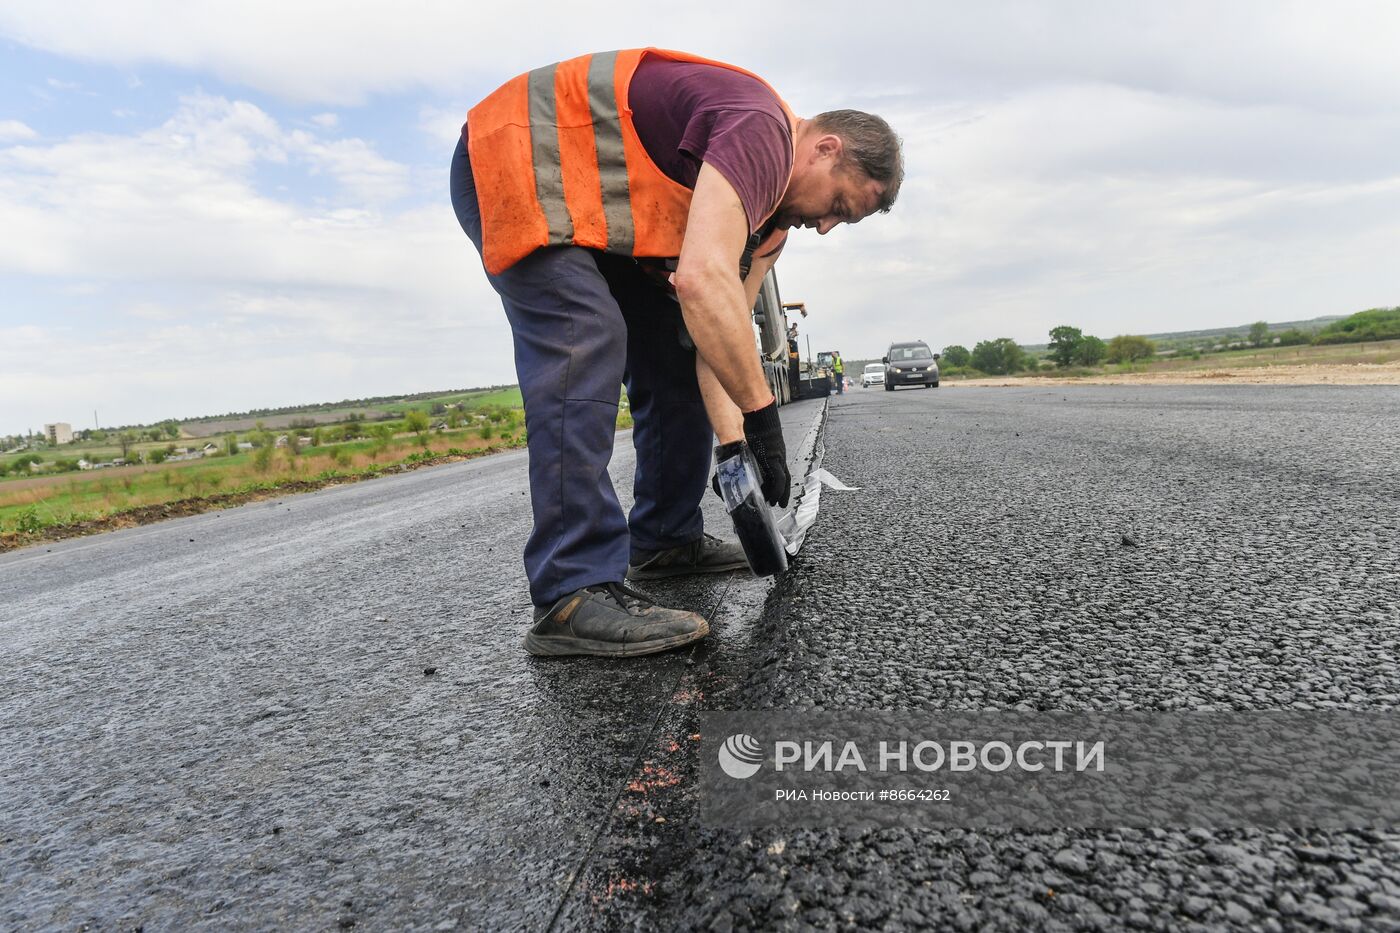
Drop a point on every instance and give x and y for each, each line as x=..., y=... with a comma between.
x=789, y=376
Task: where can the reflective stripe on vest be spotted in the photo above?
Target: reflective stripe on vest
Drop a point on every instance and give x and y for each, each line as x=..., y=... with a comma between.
x=557, y=161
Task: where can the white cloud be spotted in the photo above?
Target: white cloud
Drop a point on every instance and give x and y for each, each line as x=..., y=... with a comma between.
x=442, y=126
x=1119, y=168
x=1338, y=55
x=238, y=295
x=1115, y=210
x=14, y=130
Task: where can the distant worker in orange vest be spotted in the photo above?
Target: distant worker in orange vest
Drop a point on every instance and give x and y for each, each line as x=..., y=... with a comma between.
x=626, y=206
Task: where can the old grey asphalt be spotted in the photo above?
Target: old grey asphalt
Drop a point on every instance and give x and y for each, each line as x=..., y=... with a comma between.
x=238, y=730
x=316, y=713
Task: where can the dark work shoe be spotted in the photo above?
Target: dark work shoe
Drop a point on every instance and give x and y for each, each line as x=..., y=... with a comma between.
x=611, y=620
x=707, y=555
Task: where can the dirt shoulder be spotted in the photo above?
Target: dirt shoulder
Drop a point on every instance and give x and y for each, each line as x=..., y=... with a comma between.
x=1352, y=374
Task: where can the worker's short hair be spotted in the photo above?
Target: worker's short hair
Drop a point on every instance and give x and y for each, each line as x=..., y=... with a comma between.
x=870, y=145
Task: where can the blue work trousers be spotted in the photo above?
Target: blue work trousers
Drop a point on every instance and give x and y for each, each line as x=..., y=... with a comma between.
x=584, y=324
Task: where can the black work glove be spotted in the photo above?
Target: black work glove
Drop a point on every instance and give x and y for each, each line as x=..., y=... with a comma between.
x=764, y=434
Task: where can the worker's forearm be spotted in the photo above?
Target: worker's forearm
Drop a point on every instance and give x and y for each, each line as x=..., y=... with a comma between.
x=715, y=312
x=725, y=417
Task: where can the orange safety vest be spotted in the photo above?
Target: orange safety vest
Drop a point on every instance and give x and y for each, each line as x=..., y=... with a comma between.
x=557, y=161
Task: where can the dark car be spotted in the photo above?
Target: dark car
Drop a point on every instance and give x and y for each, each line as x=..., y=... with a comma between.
x=910, y=364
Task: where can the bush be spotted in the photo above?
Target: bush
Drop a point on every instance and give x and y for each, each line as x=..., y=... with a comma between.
x=1375, y=324
x=1090, y=351
x=999, y=357
x=1128, y=347
x=262, y=458
x=28, y=522
x=956, y=356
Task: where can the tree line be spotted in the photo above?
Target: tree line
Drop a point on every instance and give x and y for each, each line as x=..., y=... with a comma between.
x=1069, y=346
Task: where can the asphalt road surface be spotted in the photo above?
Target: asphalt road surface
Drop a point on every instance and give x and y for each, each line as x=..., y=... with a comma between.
x=316, y=713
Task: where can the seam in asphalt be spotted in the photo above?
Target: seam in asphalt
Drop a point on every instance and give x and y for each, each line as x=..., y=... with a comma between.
x=810, y=452
x=607, y=814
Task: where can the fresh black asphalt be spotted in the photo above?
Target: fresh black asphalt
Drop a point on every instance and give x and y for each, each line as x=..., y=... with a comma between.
x=315, y=713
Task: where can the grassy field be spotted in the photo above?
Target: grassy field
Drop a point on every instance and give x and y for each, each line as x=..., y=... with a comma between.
x=32, y=501
x=203, y=427
x=1337, y=354
x=506, y=398
x=36, y=504
x=40, y=501
x=196, y=434
x=100, y=452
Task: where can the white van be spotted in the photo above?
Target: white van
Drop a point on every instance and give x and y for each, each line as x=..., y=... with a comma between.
x=874, y=375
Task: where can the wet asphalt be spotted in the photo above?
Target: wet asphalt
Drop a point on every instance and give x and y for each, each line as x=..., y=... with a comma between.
x=316, y=714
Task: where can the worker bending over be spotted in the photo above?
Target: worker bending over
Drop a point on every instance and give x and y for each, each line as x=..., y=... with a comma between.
x=626, y=206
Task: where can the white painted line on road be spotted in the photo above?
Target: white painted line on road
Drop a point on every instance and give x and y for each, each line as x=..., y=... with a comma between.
x=795, y=524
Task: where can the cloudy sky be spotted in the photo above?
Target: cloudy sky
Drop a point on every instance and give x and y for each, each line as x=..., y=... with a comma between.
x=210, y=206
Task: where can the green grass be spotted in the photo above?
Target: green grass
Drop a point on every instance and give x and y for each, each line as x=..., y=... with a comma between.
x=472, y=402
x=1337, y=354
x=68, y=498
x=72, y=497
x=507, y=398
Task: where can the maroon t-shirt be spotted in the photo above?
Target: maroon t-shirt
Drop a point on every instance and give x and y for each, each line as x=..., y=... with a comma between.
x=687, y=113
